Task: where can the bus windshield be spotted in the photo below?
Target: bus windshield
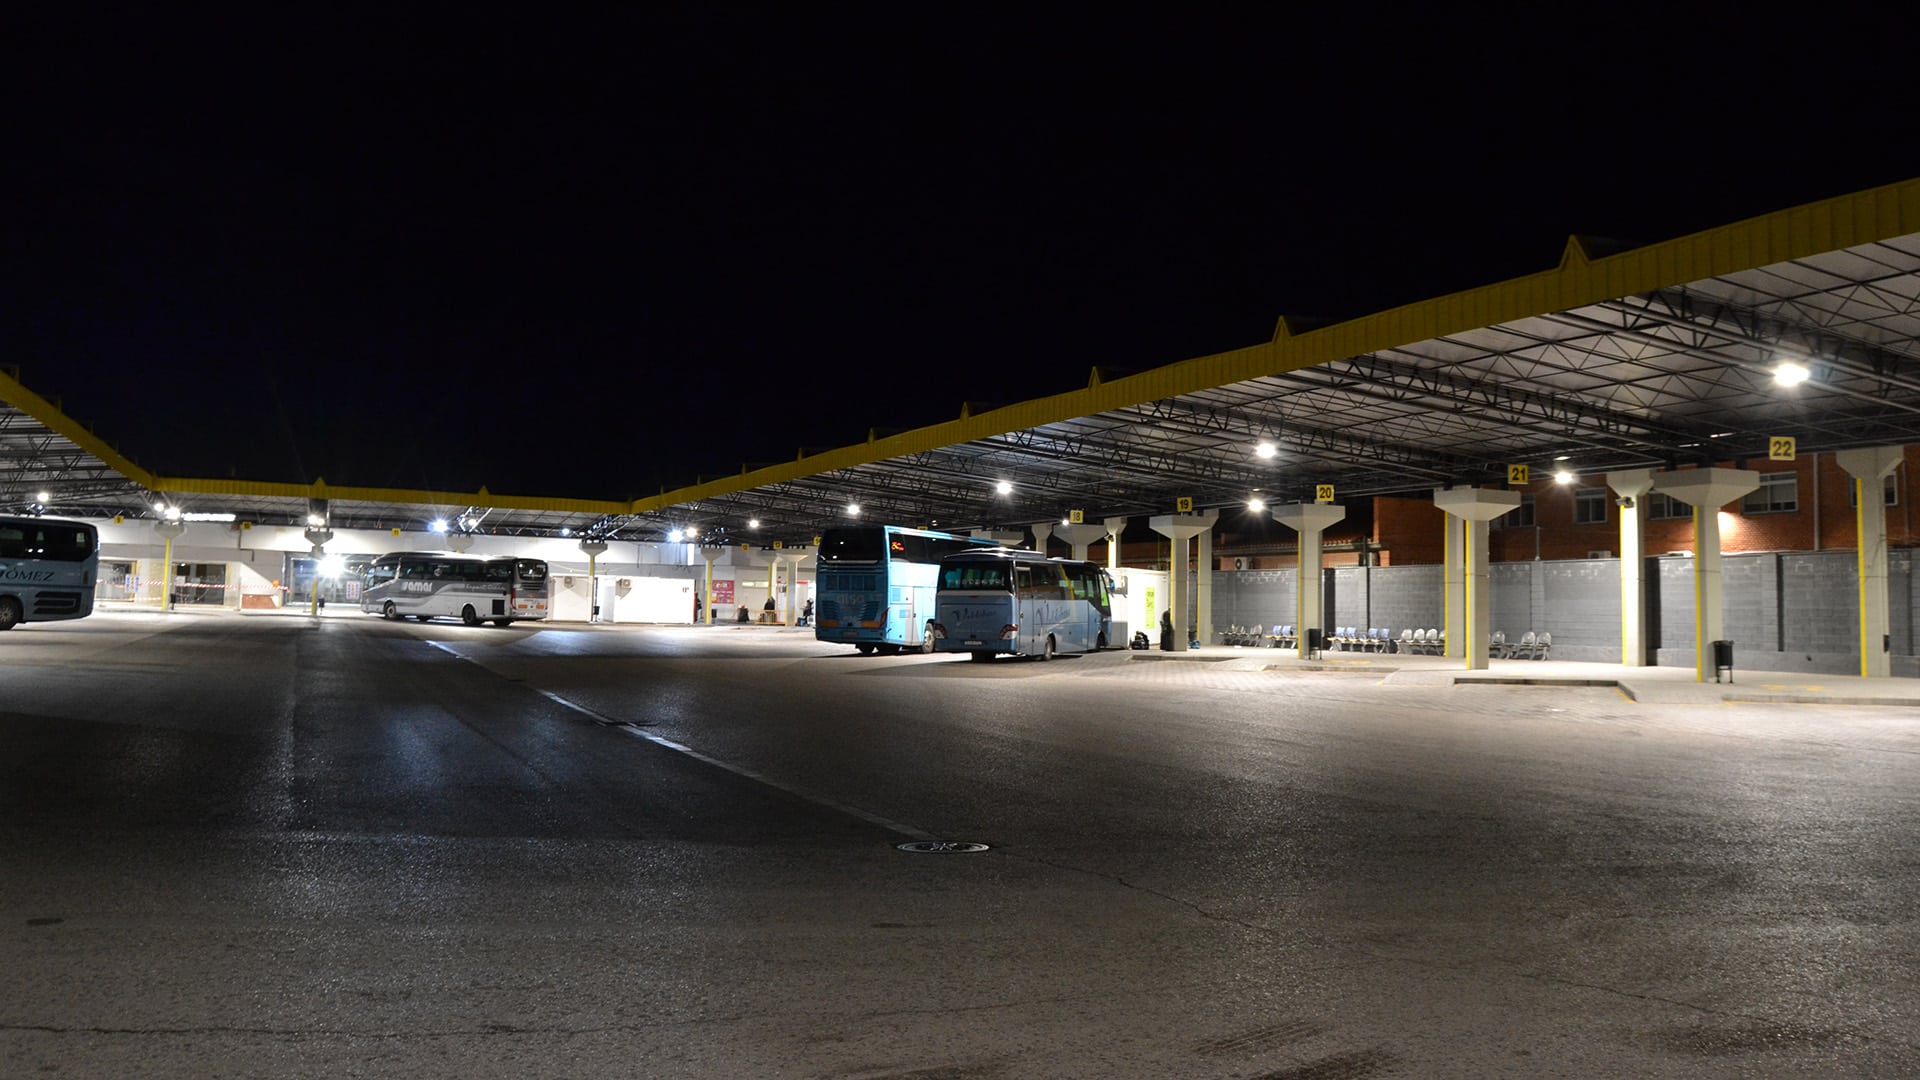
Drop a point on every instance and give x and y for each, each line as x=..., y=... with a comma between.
x=866, y=545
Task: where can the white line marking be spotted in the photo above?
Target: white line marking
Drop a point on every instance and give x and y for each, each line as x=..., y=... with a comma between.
x=908, y=831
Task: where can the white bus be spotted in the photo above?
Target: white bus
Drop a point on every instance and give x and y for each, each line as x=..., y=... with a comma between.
x=473, y=588
x=47, y=569
x=1022, y=603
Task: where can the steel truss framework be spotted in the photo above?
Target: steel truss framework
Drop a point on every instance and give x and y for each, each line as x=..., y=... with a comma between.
x=1674, y=376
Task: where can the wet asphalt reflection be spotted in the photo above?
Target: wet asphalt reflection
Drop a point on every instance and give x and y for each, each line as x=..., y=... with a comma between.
x=245, y=846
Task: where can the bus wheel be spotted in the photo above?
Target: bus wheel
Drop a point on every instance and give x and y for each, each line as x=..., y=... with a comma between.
x=926, y=640
x=503, y=622
x=864, y=649
x=388, y=611
x=889, y=649
x=980, y=656
x=1046, y=652
x=469, y=616
x=9, y=613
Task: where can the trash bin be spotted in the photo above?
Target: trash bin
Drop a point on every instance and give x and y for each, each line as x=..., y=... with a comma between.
x=1722, y=660
x=1316, y=641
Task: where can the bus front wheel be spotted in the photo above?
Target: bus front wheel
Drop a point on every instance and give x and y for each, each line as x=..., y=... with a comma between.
x=864, y=649
x=1046, y=651
x=926, y=639
x=469, y=616
x=9, y=613
x=983, y=657
x=388, y=611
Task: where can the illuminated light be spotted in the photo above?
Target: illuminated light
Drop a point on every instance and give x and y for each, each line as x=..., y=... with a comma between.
x=853, y=509
x=675, y=536
x=564, y=531
x=753, y=523
x=159, y=508
x=1266, y=450
x=333, y=565
x=1256, y=505
x=1789, y=373
x=1003, y=487
x=468, y=523
x=1562, y=476
x=43, y=497
x=173, y=513
x=206, y=517
x=438, y=525
x=692, y=531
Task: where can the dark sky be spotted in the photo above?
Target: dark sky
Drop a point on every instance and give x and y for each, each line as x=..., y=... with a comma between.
x=597, y=251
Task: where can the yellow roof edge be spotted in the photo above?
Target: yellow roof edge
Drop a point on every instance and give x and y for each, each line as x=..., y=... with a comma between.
x=268, y=488
x=1797, y=232
x=18, y=396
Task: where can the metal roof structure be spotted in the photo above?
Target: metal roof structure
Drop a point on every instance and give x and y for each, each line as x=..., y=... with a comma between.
x=1661, y=356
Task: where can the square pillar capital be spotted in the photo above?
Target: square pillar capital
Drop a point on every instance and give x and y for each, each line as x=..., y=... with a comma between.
x=1309, y=517
x=1475, y=504
x=1869, y=463
x=1708, y=489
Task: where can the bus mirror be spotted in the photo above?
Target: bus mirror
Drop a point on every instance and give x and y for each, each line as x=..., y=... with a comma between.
x=1119, y=585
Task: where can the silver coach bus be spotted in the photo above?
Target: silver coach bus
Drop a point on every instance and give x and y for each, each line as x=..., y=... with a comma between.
x=1021, y=603
x=439, y=584
x=47, y=569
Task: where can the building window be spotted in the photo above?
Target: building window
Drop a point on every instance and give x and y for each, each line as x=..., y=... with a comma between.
x=1665, y=508
x=1590, y=506
x=1520, y=517
x=1778, y=493
x=1888, y=490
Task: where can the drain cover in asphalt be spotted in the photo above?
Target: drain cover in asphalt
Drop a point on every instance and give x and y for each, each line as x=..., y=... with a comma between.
x=941, y=847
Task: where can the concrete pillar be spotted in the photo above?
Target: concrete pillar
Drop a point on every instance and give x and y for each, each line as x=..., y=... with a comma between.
x=1203, y=613
x=1180, y=529
x=1115, y=526
x=1632, y=486
x=1081, y=537
x=1041, y=530
x=169, y=531
x=1309, y=520
x=1453, y=583
x=789, y=611
x=1869, y=467
x=594, y=549
x=1706, y=490
x=1468, y=512
x=706, y=601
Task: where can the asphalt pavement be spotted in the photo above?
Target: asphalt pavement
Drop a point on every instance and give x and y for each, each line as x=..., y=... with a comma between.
x=242, y=845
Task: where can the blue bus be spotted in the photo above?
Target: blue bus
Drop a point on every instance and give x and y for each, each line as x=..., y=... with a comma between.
x=875, y=583
x=1021, y=603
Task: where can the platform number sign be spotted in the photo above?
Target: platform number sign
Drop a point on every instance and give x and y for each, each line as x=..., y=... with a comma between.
x=1517, y=474
x=779, y=544
x=1323, y=493
x=1076, y=517
x=1184, y=504
x=1780, y=448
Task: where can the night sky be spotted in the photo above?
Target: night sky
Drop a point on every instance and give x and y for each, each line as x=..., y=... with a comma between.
x=597, y=252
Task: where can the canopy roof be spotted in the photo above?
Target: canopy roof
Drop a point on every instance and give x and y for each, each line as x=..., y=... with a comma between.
x=1659, y=356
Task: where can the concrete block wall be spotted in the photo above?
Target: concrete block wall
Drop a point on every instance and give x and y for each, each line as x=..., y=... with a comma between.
x=1578, y=602
x=1407, y=598
x=1784, y=612
x=1254, y=598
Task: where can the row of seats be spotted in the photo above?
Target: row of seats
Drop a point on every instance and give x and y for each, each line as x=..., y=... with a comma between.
x=1424, y=642
x=1529, y=647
